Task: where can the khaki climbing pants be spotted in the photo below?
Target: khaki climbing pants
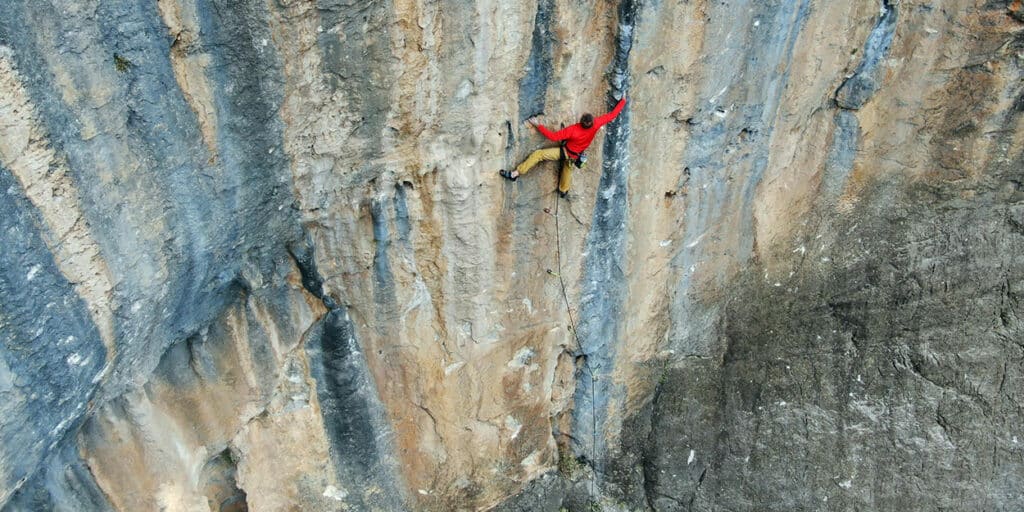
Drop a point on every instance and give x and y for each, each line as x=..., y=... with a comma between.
x=552, y=154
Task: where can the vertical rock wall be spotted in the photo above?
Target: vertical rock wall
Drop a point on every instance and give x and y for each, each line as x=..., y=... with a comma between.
x=259, y=251
x=834, y=363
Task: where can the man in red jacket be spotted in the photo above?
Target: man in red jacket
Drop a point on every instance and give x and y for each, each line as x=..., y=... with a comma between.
x=575, y=140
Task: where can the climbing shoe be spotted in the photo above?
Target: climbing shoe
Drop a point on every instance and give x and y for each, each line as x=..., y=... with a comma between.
x=507, y=175
x=564, y=195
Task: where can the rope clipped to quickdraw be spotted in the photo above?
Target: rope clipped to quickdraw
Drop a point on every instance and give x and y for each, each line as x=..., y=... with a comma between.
x=586, y=360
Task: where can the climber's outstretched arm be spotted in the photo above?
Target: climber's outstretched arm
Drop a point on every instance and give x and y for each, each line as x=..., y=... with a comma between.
x=555, y=136
x=607, y=118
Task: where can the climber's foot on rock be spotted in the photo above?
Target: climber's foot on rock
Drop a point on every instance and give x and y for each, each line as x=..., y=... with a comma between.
x=509, y=175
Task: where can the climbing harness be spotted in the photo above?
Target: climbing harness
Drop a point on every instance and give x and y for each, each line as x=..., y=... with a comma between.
x=579, y=160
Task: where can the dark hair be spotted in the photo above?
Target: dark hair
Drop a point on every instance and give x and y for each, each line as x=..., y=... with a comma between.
x=587, y=120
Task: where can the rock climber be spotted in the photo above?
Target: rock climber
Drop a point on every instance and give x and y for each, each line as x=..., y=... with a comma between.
x=574, y=141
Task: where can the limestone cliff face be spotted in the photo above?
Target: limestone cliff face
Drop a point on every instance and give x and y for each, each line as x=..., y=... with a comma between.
x=256, y=255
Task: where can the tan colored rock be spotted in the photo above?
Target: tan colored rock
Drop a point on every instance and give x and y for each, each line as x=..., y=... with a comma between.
x=195, y=432
x=190, y=65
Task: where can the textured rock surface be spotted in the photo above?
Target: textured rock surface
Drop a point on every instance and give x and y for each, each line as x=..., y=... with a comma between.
x=256, y=256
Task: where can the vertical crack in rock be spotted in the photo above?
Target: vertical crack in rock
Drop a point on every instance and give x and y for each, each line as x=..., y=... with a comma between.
x=401, y=206
x=346, y=413
x=647, y=460
x=383, y=279
x=859, y=88
x=604, y=284
x=533, y=88
x=510, y=142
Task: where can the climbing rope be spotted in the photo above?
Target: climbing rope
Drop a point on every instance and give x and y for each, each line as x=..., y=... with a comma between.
x=579, y=344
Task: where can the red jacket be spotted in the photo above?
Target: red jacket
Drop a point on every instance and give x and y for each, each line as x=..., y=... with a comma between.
x=577, y=138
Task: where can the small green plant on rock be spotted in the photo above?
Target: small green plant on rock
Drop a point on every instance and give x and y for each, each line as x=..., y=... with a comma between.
x=122, y=64
x=568, y=465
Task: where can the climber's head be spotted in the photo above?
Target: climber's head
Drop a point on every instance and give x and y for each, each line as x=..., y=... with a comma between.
x=587, y=121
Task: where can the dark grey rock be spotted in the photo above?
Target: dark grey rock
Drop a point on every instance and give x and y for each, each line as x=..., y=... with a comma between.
x=886, y=374
x=353, y=415
x=626, y=477
x=544, y=493
x=603, y=284
x=859, y=88
x=51, y=354
x=534, y=86
x=63, y=484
